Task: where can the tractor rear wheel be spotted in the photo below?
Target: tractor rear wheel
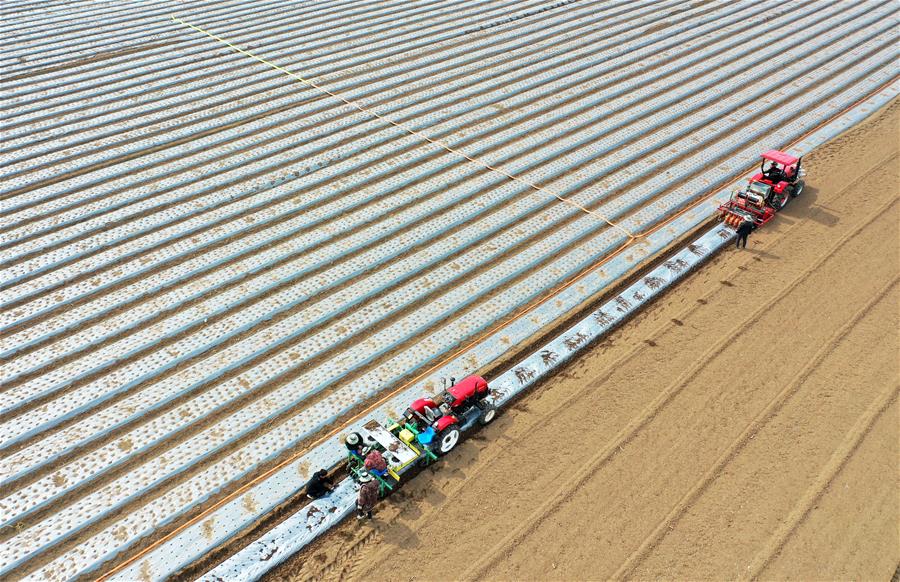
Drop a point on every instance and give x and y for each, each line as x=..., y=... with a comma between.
x=448, y=439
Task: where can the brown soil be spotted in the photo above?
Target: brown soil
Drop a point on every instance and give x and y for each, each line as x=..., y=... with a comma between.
x=745, y=425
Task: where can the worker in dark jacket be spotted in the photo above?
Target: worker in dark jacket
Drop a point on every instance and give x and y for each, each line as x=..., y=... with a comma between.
x=367, y=497
x=743, y=231
x=320, y=485
x=774, y=173
x=354, y=444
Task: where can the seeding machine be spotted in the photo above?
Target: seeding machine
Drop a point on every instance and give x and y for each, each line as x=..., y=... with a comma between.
x=429, y=427
x=767, y=192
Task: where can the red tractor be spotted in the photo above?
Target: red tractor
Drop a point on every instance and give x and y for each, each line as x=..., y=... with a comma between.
x=429, y=427
x=768, y=191
x=439, y=420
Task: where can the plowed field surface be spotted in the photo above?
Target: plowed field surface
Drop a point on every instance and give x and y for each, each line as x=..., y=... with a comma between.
x=745, y=425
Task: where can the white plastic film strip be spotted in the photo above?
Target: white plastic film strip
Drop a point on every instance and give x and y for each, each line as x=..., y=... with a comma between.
x=293, y=534
x=259, y=557
x=658, y=199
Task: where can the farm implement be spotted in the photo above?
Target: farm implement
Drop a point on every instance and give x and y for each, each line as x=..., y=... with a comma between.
x=767, y=192
x=430, y=427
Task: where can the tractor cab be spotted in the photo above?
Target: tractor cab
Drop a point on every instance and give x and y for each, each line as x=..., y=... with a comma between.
x=778, y=169
x=469, y=392
x=781, y=172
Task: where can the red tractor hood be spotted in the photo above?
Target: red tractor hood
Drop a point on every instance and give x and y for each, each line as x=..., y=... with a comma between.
x=467, y=388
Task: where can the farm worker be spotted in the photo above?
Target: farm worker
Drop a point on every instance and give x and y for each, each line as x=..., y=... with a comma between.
x=354, y=445
x=367, y=496
x=320, y=485
x=375, y=462
x=743, y=231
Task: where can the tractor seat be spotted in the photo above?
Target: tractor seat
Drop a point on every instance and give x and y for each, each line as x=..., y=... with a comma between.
x=426, y=436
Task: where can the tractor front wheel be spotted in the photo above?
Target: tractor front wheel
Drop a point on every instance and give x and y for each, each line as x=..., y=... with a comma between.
x=448, y=439
x=488, y=412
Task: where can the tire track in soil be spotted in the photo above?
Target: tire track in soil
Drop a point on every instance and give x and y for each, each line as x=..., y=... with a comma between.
x=826, y=478
x=626, y=570
x=734, y=518
x=599, y=460
x=851, y=531
x=821, y=154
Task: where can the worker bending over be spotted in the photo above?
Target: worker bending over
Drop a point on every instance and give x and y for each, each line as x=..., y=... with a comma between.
x=320, y=485
x=743, y=231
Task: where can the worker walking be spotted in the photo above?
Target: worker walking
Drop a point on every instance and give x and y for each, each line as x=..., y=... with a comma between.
x=367, y=497
x=743, y=231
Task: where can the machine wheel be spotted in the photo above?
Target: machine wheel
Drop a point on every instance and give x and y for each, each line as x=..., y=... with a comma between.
x=779, y=201
x=448, y=439
x=488, y=412
x=797, y=189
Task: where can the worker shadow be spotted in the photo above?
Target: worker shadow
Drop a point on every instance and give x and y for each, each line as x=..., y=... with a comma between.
x=435, y=497
x=805, y=207
x=400, y=535
x=760, y=253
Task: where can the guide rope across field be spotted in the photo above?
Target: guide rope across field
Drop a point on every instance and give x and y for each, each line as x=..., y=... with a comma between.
x=411, y=131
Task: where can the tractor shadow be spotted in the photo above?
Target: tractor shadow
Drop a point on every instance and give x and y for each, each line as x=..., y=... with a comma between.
x=422, y=492
x=798, y=209
x=804, y=207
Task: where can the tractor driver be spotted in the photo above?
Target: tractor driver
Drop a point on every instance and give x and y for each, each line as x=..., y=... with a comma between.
x=774, y=173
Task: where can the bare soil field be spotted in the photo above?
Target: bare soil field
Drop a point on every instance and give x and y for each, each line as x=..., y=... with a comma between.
x=743, y=426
